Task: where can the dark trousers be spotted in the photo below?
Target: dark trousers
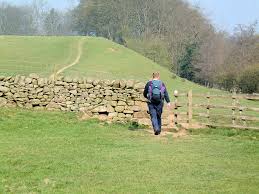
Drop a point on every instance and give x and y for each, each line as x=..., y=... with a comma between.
x=155, y=111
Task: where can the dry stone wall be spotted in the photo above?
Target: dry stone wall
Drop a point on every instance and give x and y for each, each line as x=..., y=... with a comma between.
x=117, y=100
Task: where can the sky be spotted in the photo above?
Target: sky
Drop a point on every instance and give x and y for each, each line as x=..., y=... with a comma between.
x=59, y=4
x=224, y=14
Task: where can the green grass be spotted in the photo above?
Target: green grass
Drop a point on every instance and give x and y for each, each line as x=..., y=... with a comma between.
x=42, y=152
x=29, y=54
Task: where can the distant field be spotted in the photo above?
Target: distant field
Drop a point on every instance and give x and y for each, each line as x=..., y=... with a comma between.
x=43, y=152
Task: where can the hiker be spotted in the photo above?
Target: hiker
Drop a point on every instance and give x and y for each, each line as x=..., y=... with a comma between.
x=156, y=92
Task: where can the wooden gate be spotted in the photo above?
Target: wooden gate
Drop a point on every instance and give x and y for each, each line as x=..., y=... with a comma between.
x=213, y=110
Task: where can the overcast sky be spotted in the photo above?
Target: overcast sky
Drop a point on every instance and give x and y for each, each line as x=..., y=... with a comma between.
x=224, y=14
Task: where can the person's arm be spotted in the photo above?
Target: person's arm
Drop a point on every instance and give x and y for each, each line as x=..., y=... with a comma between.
x=146, y=90
x=167, y=98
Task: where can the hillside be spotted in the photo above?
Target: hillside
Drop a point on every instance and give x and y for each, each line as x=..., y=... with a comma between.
x=100, y=58
x=25, y=55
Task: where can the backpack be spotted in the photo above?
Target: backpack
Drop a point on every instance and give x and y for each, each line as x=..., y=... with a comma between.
x=156, y=91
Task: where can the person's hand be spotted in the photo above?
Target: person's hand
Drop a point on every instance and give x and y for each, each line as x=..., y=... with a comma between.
x=169, y=105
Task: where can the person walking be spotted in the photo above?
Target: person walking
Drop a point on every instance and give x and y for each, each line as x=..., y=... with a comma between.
x=156, y=92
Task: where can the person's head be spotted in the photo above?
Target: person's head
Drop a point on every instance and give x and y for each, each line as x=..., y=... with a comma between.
x=156, y=75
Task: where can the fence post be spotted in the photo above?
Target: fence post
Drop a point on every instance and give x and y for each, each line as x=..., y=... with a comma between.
x=190, y=107
x=238, y=108
x=234, y=109
x=243, y=119
x=176, y=107
x=208, y=107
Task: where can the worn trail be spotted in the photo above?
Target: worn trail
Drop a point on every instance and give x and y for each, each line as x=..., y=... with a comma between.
x=76, y=60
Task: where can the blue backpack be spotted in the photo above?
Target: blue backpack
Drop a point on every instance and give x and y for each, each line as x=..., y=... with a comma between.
x=156, y=91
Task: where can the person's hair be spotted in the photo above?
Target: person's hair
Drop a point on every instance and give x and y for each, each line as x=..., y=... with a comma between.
x=156, y=75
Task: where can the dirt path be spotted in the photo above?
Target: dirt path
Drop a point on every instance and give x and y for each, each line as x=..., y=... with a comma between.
x=77, y=59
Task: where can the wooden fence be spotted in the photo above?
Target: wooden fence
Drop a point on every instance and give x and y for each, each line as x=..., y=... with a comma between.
x=238, y=118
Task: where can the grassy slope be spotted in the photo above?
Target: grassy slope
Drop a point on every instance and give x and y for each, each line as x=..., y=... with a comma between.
x=101, y=59
x=55, y=153
x=25, y=55
x=104, y=59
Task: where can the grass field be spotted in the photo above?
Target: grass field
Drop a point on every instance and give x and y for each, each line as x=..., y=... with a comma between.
x=44, y=152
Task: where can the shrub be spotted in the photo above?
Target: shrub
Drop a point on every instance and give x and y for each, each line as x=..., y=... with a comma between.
x=249, y=80
x=227, y=81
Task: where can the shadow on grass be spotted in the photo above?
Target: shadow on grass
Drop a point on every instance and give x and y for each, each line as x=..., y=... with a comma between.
x=134, y=126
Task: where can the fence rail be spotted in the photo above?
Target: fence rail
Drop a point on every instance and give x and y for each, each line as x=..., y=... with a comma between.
x=238, y=118
x=247, y=97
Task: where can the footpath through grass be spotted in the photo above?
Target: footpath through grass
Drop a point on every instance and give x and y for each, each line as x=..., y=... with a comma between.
x=42, y=152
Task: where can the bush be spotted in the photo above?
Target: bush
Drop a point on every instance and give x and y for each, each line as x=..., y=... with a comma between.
x=249, y=80
x=227, y=81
